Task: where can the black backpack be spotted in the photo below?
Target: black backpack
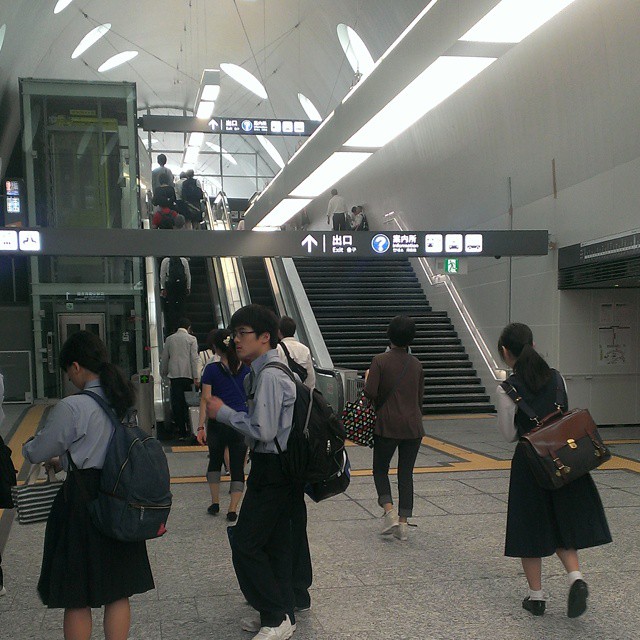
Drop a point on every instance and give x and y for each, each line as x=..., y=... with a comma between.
x=135, y=498
x=191, y=192
x=296, y=367
x=316, y=454
x=167, y=220
x=364, y=225
x=8, y=475
x=176, y=276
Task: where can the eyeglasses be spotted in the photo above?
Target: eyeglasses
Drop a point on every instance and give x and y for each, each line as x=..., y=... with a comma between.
x=241, y=333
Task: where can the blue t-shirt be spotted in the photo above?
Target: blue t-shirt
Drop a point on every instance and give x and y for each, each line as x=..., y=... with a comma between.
x=228, y=387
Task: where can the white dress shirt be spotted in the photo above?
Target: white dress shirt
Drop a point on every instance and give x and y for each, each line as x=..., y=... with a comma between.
x=337, y=204
x=302, y=355
x=164, y=272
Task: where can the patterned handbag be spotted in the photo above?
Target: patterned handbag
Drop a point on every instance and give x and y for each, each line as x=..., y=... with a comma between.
x=359, y=420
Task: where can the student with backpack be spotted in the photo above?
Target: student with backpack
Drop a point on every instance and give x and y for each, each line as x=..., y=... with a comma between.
x=175, y=286
x=83, y=568
x=261, y=546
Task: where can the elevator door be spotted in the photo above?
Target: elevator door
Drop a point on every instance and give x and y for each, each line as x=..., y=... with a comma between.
x=70, y=323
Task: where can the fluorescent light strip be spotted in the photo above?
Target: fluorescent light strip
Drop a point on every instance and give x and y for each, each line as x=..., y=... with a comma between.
x=205, y=110
x=117, y=60
x=329, y=172
x=225, y=154
x=514, y=20
x=309, y=108
x=191, y=155
x=283, y=212
x=61, y=5
x=246, y=79
x=90, y=39
x=210, y=92
x=435, y=84
x=272, y=151
x=3, y=30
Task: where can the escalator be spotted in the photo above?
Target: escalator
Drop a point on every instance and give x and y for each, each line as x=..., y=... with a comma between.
x=353, y=302
x=257, y=279
x=199, y=307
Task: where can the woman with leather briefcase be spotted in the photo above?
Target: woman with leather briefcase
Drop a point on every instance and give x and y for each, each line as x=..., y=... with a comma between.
x=542, y=521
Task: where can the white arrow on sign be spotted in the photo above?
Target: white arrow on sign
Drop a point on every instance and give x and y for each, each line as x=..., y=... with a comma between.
x=309, y=241
x=214, y=124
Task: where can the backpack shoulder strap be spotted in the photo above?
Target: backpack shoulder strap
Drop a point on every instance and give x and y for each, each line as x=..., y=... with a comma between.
x=104, y=404
x=281, y=366
x=561, y=392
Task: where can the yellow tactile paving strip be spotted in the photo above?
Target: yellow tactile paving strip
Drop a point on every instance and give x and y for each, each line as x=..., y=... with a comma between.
x=465, y=459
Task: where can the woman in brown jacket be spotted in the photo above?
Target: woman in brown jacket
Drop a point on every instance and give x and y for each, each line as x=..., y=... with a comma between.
x=395, y=384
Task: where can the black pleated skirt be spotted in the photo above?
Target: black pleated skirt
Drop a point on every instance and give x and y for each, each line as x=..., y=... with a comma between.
x=540, y=521
x=82, y=567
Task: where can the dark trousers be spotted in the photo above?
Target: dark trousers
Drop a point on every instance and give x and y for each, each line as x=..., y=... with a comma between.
x=383, y=450
x=174, y=305
x=339, y=222
x=300, y=554
x=261, y=544
x=179, y=406
x=220, y=436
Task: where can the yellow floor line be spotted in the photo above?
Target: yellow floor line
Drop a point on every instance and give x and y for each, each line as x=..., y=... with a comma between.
x=25, y=430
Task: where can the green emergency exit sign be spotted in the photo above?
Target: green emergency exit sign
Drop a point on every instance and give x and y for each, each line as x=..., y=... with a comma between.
x=452, y=265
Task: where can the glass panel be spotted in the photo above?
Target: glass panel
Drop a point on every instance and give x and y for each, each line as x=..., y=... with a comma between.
x=70, y=329
x=92, y=328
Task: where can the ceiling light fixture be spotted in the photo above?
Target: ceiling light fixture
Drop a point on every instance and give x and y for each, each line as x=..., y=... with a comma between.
x=225, y=154
x=435, y=84
x=271, y=150
x=61, y=5
x=205, y=110
x=334, y=168
x=246, y=79
x=90, y=39
x=3, y=30
x=191, y=155
x=208, y=92
x=196, y=139
x=355, y=49
x=117, y=60
x=309, y=108
x=283, y=211
x=514, y=20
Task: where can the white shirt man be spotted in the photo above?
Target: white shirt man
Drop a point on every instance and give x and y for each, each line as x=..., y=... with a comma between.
x=337, y=211
x=298, y=352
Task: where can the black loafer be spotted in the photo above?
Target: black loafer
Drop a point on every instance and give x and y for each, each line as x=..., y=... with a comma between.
x=535, y=607
x=232, y=516
x=577, y=603
x=214, y=509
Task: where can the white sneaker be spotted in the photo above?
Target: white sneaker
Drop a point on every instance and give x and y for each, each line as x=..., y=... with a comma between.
x=402, y=531
x=390, y=523
x=282, y=632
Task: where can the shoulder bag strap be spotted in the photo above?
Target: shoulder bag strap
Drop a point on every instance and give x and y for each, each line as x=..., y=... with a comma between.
x=562, y=398
x=512, y=392
x=227, y=372
x=395, y=386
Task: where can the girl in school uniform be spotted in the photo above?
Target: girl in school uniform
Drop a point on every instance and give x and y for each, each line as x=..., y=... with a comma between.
x=81, y=567
x=541, y=522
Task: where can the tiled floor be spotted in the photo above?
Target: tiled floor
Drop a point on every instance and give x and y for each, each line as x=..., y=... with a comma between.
x=449, y=581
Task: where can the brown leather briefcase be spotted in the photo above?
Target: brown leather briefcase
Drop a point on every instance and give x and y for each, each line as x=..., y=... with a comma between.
x=564, y=447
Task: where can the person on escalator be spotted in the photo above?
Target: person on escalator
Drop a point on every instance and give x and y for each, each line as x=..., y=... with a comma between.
x=175, y=286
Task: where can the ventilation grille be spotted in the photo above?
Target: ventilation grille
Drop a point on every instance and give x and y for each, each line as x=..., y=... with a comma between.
x=601, y=275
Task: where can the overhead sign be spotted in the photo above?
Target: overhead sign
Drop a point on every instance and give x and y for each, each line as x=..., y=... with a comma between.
x=316, y=244
x=236, y=125
x=263, y=126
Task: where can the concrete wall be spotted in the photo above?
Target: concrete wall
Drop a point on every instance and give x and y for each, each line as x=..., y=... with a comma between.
x=569, y=93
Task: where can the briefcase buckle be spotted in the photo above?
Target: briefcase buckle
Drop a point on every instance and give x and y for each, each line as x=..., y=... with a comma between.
x=572, y=443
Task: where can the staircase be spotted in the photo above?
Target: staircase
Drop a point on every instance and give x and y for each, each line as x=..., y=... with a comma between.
x=199, y=306
x=258, y=282
x=353, y=302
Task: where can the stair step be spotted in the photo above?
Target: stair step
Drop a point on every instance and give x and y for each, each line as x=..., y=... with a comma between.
x=447, y=408
x=454, y=399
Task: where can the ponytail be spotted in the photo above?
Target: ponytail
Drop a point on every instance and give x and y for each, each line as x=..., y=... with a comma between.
x=120, y=392
x=90, y=352
x=222, y=341
x=517, y=338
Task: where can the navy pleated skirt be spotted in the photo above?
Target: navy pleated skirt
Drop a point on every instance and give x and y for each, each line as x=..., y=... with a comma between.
x=540, y=521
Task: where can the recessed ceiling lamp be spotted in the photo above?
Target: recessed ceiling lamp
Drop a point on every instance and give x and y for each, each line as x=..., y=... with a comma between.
x=61, y=5
x=225, y=154
x=355, y=49
x=283, y=211
x=90, y=39
x=329, y=172
x=3, y=30
x=117, y=60
x=309, y=108
x=271, y=150
x=246, y=79
x=434, y=85
x=514, y=20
